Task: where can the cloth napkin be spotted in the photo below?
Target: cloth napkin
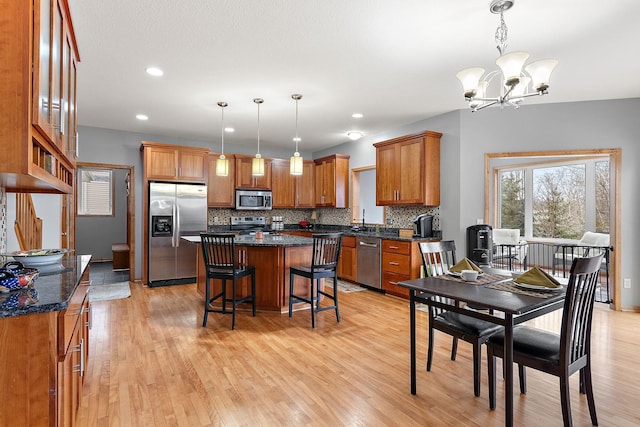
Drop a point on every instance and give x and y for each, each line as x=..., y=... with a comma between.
x=465, y=264
x=538, y=277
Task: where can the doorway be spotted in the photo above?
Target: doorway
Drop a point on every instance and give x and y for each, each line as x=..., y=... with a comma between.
x=104, y=230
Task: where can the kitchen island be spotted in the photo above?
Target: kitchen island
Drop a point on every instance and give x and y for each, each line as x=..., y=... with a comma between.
x=272, y=256
x=44, y=333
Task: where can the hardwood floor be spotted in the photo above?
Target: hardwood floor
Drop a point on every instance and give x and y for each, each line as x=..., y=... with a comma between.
x=152, y=364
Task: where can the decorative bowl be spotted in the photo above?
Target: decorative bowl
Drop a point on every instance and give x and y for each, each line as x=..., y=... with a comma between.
x=36, y=257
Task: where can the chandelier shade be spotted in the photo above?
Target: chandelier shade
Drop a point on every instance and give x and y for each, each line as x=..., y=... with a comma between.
x=222, y=164
x=257, y=163
x=515, y=83
x=296, y=161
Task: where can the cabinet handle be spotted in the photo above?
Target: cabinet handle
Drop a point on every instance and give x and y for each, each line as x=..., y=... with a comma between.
x=393, y=247
x=89, y=322
x=394, y=263
x=82, y=357
x=393, y=283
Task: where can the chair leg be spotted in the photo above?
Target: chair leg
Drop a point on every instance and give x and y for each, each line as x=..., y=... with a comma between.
x=430, y=347
x=491, y=377
x=565, y=400
x=581, y=382
x=335, y=296
x=207, y=295
x=313, y=319
x=224, y=295
x=233, y=305
x=522, y=374
x=588, y=385
x=454, y=348
x=253, y=293
x=290, y=293
x=477, y=368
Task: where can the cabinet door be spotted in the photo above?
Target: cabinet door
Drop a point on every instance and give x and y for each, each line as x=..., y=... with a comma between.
x=42, y=67
x=305, y=186
x=244, y=178
x=347, y=266
x=70, y=379
x=386, y=173
x=325, y=183
x=192, y=166
x=283, y=185
x=57, y=69
x=221, y=189
x=411, y=182
x=161, y=163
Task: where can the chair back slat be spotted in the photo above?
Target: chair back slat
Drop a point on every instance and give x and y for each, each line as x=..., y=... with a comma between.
x=437, y=257
x=326, y=250
x=575, y=336
x=218, y=250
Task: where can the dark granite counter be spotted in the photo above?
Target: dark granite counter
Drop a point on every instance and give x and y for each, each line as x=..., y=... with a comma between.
x=52, y=289
x=271, y=239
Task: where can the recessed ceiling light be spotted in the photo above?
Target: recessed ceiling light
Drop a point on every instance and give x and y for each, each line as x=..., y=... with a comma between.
x=154, y=71
x=357, y=115
x=354, y=135
x=229, y=130
x=142, y=117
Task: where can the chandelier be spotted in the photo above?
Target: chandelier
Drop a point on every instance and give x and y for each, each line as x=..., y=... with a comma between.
x=516, y=84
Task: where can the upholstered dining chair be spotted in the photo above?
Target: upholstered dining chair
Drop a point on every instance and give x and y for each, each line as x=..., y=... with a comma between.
x=437, y=258
x=220, y=260
x=324, y=264
x=557, y=354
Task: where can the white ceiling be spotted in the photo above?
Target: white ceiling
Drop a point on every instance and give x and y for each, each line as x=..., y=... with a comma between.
x=393, y=61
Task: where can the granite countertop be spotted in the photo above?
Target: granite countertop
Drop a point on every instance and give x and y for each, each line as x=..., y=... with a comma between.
x=52, y=288
x=271, y=239
x=384, y=233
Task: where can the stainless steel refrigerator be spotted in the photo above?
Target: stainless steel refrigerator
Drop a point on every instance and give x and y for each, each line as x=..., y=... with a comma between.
x=175, y=210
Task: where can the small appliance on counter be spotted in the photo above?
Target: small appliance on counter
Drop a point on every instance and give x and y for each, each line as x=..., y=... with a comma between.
x=423, y=225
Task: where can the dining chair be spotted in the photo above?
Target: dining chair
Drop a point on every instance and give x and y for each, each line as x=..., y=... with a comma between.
x=557, y=354
x=221, y=262
x=437, y=258
x=324, y=264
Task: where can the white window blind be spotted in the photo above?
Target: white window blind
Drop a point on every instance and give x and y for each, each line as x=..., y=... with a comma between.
x=95, y=195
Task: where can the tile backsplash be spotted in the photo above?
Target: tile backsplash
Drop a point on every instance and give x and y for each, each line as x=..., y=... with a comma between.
x=396, y=216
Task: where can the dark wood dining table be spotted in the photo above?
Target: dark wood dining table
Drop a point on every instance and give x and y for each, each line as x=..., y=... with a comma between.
x=509, y=309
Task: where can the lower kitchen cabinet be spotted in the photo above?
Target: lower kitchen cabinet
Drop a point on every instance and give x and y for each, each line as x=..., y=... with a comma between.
x=401, y=260
x=347, y=266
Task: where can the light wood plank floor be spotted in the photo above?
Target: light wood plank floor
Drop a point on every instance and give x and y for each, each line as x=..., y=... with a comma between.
x=152, y=364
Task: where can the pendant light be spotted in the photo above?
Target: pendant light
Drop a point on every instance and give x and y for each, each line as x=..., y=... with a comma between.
x=257, y=164
x=222, y=164
x=296, y=162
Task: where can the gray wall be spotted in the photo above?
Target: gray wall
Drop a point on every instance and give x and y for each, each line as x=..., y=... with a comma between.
x=466, y=138
x=95, y=235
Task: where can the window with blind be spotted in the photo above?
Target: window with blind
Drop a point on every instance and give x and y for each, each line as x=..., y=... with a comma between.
x=95, y=192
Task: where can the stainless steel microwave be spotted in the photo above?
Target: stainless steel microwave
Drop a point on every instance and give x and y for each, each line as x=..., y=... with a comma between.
x=253, y=200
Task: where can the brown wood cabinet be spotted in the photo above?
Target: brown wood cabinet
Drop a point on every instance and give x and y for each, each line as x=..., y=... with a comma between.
x=401, y=260
x=347, y=266
x=332, y=181
x=244, y=178
x=44, y=356
x=39, y=58
x=175, y=163
x=221, y=189
x=408, y=170
x=291, y=191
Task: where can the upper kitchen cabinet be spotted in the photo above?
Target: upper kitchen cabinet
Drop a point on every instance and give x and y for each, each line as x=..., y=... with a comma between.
x=408, y=170
x=175, y=162
x=292, y=191
x=38, y=92
x=332, y=181
x=221, y=189
x=244, y=178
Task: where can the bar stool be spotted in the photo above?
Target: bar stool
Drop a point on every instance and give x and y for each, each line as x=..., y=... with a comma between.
x=324, y=264
x=220, y=259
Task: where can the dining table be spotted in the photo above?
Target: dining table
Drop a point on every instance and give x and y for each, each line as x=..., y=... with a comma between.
x=503, y=302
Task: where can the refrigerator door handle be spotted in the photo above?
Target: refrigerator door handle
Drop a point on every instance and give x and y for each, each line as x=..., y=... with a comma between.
x=174, y=213
x=177, y=227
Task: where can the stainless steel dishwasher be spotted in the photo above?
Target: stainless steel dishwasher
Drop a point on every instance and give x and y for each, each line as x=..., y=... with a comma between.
x=369, y=250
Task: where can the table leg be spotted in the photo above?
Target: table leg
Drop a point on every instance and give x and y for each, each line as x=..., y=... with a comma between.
x=412, y=333
x=508, y=366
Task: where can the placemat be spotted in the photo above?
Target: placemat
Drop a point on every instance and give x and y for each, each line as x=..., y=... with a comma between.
x=510, y=286
x=481, y=280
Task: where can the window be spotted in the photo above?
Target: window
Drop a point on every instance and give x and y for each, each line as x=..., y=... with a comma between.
x=363, y=196
x=95, y=192
x=555, y=199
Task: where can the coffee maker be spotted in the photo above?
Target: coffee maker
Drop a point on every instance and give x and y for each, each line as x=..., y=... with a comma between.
x=423, y=225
